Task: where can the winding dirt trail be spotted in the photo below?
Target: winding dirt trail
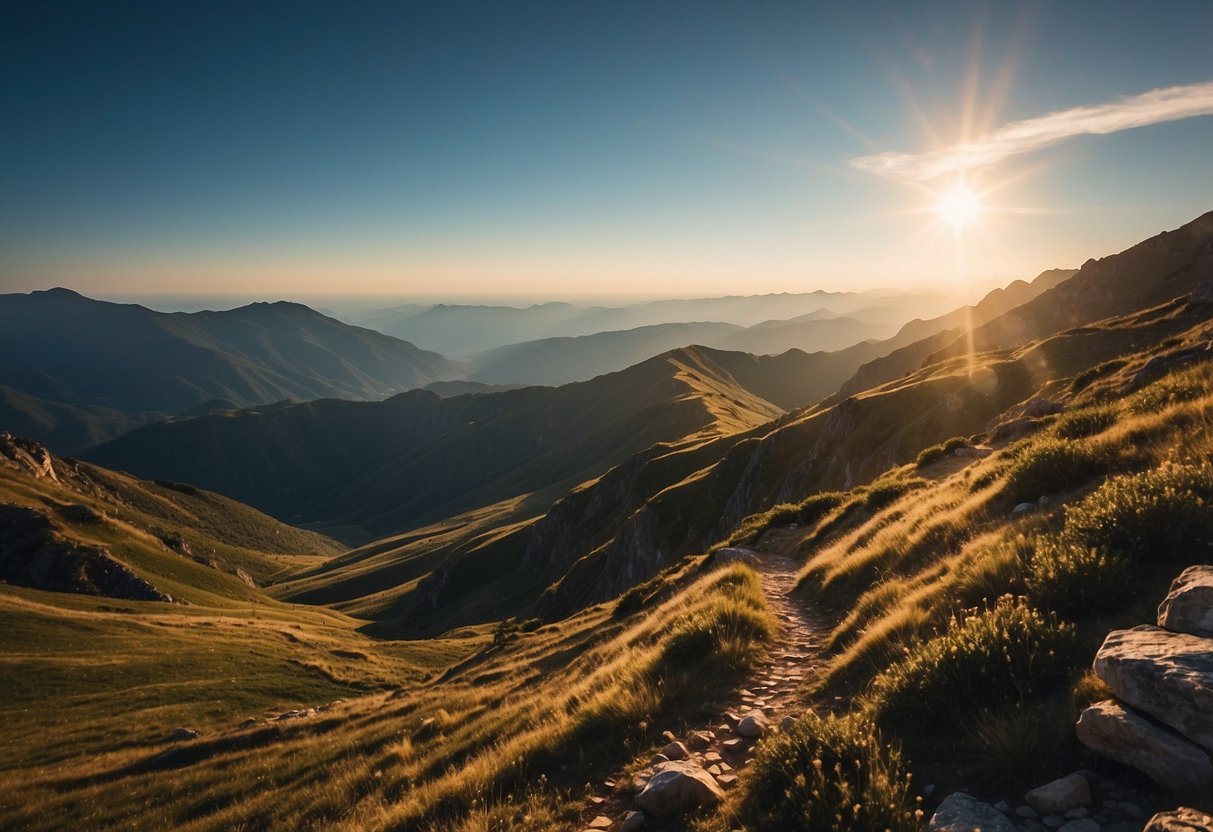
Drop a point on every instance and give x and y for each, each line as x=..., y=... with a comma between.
x=774, y=689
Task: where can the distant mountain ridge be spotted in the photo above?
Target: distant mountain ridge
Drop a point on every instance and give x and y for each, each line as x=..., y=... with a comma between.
x=84, y=370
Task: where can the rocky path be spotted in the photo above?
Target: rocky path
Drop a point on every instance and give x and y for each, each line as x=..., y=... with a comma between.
x=701, y=766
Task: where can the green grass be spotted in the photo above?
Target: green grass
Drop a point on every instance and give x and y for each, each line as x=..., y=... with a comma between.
x=1003, y=655
x=1052, y=466
x=827, y=772
x=943, y=450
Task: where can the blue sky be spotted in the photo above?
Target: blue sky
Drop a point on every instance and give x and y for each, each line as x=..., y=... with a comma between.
x=572, y=149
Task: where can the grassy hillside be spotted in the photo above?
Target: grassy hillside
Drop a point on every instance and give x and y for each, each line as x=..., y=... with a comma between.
x=413, y=459
x=76, y=362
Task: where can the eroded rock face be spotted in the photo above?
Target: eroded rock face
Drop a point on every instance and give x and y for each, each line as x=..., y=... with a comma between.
x=677, y=787
x=1188, y=607
x=1181, y=820
x=34, y=554
x=1127, y=737
x=1061, y=795
x=961, y=813
x=1166, y=675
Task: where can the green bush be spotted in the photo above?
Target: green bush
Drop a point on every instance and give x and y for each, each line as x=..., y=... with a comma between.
x=884, y=492
x=1072, y=579
x=1003, y=655
x=1023, y=744
x=938, y=452
x=1165, y=393
x=1163, y=513
x=826, y=773
x=808, y=511
x=1051, y=466
x=1088, y=421
x=723, y=629
x=993, y=570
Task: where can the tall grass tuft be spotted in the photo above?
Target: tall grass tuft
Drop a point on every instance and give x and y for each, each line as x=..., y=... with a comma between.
x=1002, y=655
x=832, y=772
x=1051, y=466
x=1074, y=579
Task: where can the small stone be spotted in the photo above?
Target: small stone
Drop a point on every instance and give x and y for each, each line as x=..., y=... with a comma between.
x=1077, y=814
x=183, y=735
x=1003, y=807
x=632, y=821
x=675, y=751
x=726, y=780
x=658, y=759
x=734, y=745
x=753, y=726
x=960, y=812
x=700, y=740
x=677, y=787
x=1132, y=810
x=1081, y=825
x=1053, y=821
x=1026, y=812
x=1061, y=795
x=601, y=822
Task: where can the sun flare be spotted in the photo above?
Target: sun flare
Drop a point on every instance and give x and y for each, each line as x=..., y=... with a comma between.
x=958, y=206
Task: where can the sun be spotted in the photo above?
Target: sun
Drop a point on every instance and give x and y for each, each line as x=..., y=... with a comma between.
x=958, y=206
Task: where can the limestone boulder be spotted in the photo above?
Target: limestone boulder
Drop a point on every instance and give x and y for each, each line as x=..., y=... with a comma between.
x=1188, y=607
x=677, y=787
x=1120, y=734
x=960, y=812
x=1166, y=675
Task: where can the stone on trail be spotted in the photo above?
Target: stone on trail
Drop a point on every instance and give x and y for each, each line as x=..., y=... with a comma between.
x=753, y=726
x=675, y=751
x=632, y=821
x=183, y=735
x=677, y=787
x=601, y=822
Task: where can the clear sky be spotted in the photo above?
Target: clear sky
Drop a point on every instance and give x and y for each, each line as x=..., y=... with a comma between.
x=580, y=148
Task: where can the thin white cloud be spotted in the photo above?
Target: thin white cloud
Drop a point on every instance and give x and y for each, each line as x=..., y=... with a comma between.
x=1166, y=104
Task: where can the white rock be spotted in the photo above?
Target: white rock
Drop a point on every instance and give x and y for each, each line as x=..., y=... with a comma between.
x=1127, y=737
x=676, y=787
x=1188, y=607
x=753, y=725
x=1166, y=675
x=960, y=812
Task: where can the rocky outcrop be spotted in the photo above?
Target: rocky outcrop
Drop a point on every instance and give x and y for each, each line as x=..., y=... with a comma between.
x=961, y=813
x=677, y=787
x=1181, y=820
x=1188, y=607
x=1124, y=735
x=26, y=456
x=34, y=554
x=1162, y=676
x=1167, y=675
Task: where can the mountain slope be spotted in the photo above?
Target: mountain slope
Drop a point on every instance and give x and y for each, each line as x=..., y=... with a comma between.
x=60, y=347
x=385, y=466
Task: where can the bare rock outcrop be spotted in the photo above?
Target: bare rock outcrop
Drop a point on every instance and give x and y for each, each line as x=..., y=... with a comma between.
x=960, y=812
x=1188, y=607
x=1166, y=675
x=1182, y=819
x=1120, y=734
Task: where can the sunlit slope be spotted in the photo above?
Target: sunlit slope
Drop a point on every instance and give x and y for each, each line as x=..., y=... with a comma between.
x=85, y=672
x=60, y=347
x=416, y=458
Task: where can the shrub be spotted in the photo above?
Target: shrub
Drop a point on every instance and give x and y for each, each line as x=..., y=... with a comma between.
x=1087, y=421
x=808, y=511
x=1072, y=579
x=826, y=773
x=998, y=656
x=724, y=629
x=993, y=570
x=1163, y=513
x=1022, y=744
x=1165, y=393
x=1050, y=466
x=884, y=492
x=938, y=452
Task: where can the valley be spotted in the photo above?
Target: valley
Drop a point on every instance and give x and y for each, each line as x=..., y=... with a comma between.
x=503, y=606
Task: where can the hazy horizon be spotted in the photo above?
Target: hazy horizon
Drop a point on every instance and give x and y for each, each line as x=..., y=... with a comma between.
x=553, y=152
